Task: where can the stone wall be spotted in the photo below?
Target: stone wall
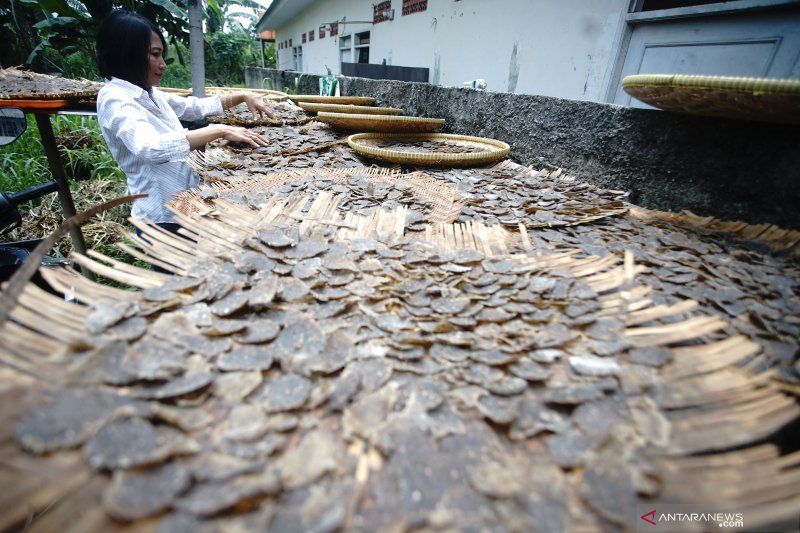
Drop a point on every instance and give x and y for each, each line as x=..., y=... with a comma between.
x=730, y=169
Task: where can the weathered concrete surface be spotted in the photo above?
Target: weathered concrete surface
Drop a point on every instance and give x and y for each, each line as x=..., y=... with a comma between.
x=730, y=169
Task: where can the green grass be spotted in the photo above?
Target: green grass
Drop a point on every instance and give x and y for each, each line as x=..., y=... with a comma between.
x=23, y=162
x=93, y=176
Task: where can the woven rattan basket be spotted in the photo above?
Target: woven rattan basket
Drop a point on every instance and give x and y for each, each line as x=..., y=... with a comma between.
x=354, y=100
x=342, y=108
x=380, y=123
x=368, y=144
x=764, y=99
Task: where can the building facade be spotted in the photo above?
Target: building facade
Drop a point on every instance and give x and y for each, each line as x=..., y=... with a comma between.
x=576, y=49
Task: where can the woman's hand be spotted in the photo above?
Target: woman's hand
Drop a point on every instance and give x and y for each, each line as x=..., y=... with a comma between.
x=256, y=106
x=242, y=135
x=202, y=136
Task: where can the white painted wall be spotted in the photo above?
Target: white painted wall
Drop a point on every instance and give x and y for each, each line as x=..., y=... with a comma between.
x=563, y=48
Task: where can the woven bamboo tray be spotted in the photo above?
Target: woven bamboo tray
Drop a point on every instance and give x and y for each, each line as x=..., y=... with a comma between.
x=368, y=144
x=380, y=123
x=18, y=84
x=355, y=100
x=764, y=99
x=343, y=108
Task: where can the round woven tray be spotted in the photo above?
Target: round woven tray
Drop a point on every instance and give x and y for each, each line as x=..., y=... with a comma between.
x=355, y=100
x=343, y=108
x=764, y=99
x=368, y=144
x=380, y=123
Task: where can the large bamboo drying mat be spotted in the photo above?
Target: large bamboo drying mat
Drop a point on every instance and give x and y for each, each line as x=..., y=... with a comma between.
x=431, y=200
x=486, y=150
x=764, y=99
x=309, y=145
x=16, y=84
x=513, y=196
x=778, y=239
x=348, y=372
x=343, y=108
x=286, y=114
x=345, y=100
x=507, y=193
x=410, y=394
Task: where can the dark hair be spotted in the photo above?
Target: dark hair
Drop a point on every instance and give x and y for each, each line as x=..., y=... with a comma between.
x=123, y=46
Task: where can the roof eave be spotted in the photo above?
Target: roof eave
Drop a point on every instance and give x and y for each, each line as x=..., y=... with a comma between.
x=280, y=12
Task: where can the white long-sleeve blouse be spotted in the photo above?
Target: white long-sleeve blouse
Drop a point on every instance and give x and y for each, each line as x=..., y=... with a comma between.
x=146, y=138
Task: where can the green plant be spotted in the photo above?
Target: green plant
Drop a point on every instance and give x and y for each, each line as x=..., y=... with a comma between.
x=23, y=162
x=227, y=54
x=62, y=27
x=25, y=165
x=178, y=73
x=79, y=65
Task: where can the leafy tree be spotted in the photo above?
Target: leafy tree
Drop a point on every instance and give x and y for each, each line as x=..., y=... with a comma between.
x=220, y=17
x=59, y=35
x=17, y=32
x=70, y=26
x=226, y=56
x=178, y=74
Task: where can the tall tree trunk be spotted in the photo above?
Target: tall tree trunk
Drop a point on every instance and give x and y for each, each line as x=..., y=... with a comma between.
x=196, y=48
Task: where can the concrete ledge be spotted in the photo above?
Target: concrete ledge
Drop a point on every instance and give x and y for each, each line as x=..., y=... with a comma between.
x=729, y=169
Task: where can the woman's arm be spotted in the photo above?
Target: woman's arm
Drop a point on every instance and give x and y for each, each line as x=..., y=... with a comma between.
x=202, y=136
x=191, y=108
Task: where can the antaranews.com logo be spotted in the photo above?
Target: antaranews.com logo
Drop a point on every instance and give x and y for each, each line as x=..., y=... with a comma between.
x=723, y=520
x=662, y=518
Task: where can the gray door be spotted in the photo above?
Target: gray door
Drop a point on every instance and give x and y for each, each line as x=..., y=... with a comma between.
x=762, y=44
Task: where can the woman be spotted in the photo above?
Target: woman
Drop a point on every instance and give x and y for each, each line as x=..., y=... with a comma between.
x=141, y=124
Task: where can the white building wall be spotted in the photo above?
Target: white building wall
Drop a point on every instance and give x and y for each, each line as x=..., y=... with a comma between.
x=564, y=48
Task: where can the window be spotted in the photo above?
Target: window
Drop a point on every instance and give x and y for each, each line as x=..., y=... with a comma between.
x=414, y=6
x=298, y=58
x=311, y=35
x=322, y=32
x=346, y=49
x=362, y=47
x=380, y=12
x=304, y=38
x=334, y=29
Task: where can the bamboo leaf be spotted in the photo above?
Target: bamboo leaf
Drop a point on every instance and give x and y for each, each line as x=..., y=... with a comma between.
x=170, y=7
